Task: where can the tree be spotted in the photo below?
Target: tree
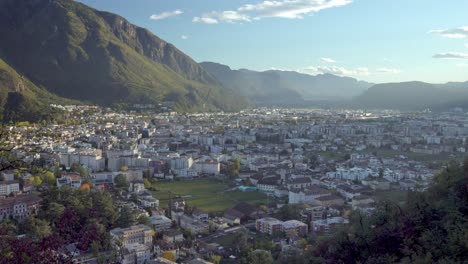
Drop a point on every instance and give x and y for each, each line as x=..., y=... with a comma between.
x=126, y=218
x=260, y=256
x=147, y=183
x=121, y=181
x=83, y=171
x=95, y=247
x=85, y=186
x=7, y=160
x=429, y=228
x=288, y=212
x=124, y=168
x=53, y=211
x=49, y=178
x=234, y=168
x=169, y=256
x=215, y=259
x=36, y=181
x=144, y=220
x=35, y=228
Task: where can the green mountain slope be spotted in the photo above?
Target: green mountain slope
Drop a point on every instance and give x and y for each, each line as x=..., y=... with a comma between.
x=20, y=99
x=77, y=52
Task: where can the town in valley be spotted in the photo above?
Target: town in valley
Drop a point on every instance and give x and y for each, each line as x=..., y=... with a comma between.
x=214, y=187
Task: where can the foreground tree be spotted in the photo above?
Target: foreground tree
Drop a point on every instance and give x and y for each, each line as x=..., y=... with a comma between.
x=259, y=256
x=431, y=228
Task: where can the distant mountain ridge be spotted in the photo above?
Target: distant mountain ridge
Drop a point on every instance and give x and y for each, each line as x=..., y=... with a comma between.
x=61, y=51
x=414, y=96
x=323, y=87
x=262, y=88
x=77, y=52
x=286, y=87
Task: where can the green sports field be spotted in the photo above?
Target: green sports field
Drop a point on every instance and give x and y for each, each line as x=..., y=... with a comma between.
x=206, y=194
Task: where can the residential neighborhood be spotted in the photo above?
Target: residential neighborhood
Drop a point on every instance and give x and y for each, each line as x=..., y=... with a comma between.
x=191, y=185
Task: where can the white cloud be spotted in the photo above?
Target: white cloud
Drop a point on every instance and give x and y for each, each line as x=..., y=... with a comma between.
x=387, y=60
x=451, y=55
x=165, y=15
x=460, y=33
x=327, y=60
x=205, y=20
x=340, y=71
x=291, y=9
x=462, y=65
x=388, y=70
x=225, y=16
x=466, y=45
x=184, y=37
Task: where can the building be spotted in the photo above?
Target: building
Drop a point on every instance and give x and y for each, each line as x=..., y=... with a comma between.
x=140, y=234
x=306, y=196
x=244, y=212
x=19, y=207
x=295, y=227
x=269, y=225
x=196, y=226
x=73, y=180
x=329, y=200
x=200, y=215
x=173, y=236
x=211, y=167
x=299, y=183
x=353, y=174
x=9, y=187
x=160, y=222
x=325, y=225
x=136, y=254
x=267, y=185
x=148, y=202
x=348, y=192
x=91, y=158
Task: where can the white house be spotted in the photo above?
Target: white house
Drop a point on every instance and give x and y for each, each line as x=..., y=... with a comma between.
x=8, y=187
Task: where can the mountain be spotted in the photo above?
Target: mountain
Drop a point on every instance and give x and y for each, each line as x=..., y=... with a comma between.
x=414, y=96
x=22, y=99
x=323, y=87
x=286, y=87
x=77, y=52
x=262, y=88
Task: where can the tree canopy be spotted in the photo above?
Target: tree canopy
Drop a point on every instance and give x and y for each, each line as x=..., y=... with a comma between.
x=431, y=228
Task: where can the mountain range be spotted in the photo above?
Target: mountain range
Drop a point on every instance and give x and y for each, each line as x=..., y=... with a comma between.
x=286, y=87
x=414, y=96
x=65, y=49
x=62, y=51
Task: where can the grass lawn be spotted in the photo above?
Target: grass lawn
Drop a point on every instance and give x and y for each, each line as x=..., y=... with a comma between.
x=206, y=194
x=331, y=155
x=425, y=158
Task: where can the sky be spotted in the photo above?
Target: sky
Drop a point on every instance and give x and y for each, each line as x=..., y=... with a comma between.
x=372, y=40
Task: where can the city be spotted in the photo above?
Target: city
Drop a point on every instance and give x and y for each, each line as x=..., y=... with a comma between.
x=233, y=132
x=188, y=187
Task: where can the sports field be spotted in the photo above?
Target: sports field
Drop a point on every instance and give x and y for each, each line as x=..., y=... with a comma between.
x=206, y=194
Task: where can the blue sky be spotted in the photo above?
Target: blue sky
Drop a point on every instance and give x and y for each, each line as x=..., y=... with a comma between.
x=372, y=40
